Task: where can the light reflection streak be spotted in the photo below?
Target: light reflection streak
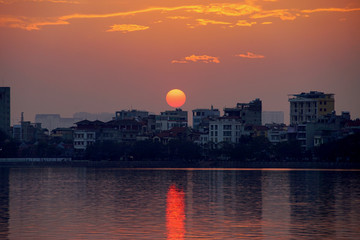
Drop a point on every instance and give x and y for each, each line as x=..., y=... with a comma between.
x=175, y=213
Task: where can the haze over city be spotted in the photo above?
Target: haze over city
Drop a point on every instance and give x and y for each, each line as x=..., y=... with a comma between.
x=104, y=56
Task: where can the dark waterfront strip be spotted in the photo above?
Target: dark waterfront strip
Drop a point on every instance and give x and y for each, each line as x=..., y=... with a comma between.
x=182, y=164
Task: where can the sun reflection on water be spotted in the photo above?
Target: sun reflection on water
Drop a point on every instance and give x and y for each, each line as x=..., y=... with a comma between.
x=175, y=213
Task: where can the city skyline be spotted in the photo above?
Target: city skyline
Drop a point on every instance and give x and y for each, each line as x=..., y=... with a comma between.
x=83, y=56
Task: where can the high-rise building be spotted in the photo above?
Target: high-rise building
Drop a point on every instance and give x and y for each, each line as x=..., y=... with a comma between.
x=5, y=109
x=309, y=107
x=248, y=113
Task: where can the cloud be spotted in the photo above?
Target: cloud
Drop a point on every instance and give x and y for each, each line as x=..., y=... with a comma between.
x=245, y=10
x=283, y=14
x=205, y=22
x=28, y=24
x=125, y=28
x=198, y=58
x=250, y=55
x=330, y=10
x=228, y=9
x=266, y=23
x=177, y=17
x=52, y=1
x=244, y=23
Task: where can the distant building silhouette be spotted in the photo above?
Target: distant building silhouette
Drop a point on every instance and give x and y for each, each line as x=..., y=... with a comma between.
x=269, y=117
x=5, y=109
x=53, y=121
x=104, y=116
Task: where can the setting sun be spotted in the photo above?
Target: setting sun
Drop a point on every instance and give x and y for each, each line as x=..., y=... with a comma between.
x=175, y=98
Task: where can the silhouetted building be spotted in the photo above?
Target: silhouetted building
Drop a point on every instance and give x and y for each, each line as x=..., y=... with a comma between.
x=170, y=119
x=65, y=134
x=130, y=114
x=277, y=133
x=29, y=132
x=327, y=128
x=309, y=107
x=200, y=114
x=248, y=113
x=5, y=109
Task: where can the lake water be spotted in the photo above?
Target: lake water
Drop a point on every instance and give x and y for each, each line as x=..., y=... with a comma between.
x=96, y=203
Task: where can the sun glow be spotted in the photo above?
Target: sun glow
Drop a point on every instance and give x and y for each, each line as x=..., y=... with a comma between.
x=175, y=98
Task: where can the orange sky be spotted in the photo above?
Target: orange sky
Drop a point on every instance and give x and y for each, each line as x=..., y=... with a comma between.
x=66, y=56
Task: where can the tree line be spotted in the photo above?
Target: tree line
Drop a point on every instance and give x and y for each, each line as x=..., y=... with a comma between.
x=248, y=149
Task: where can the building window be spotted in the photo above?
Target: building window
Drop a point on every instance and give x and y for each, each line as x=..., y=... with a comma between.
x=324, y=102
x=227, y=127
x=324, y=109
x=320, y=109
x=320, y=102
x=227, y=133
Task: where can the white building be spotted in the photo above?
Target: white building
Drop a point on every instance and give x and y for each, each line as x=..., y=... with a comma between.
x=202, y=113
x=170, y=119
x=226, y=129
x=83, y=139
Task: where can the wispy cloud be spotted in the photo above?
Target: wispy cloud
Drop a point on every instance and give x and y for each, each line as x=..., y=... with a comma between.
x=52, y=1
x=250, y=55
x=248, y=11
x=198, y=58
x=205, y=22
x=177, y=17
x=27, y=23
x=125, y=28
x=228, y=9
x=330, y=10
x=244, y=23
x=283, y=14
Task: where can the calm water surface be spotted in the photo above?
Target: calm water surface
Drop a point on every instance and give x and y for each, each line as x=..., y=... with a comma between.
x=95, y=203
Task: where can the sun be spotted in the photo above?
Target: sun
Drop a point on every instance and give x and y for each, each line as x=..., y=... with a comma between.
x=175, y=98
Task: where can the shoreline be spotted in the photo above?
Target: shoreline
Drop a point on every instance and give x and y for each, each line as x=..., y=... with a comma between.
x=178, y=164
